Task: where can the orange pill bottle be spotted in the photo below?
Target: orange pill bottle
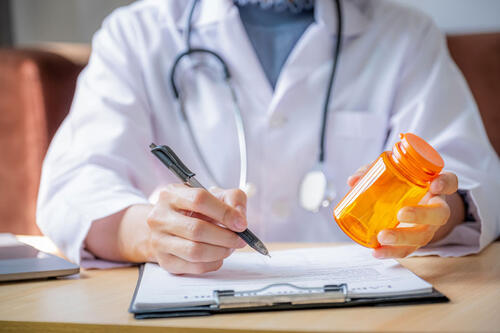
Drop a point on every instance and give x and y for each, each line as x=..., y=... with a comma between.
x=398, y=178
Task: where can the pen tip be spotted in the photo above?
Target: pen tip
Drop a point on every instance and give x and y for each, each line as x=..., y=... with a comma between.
x=269, y=255
x=152, y=145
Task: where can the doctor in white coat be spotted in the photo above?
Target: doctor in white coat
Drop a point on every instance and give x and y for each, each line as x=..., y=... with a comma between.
x=105, y=198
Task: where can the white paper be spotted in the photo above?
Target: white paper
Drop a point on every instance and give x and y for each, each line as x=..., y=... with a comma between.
x=7, y=239
x=354, y=265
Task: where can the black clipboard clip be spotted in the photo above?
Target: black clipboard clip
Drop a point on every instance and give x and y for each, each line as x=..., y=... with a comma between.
x=279, y=294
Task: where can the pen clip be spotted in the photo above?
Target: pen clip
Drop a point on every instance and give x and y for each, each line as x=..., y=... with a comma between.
x=170, y=159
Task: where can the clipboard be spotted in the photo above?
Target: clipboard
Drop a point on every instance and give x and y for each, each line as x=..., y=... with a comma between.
x=297, y=298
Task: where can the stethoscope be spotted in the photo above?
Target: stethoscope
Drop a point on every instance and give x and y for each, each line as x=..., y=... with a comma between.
x=315, y=189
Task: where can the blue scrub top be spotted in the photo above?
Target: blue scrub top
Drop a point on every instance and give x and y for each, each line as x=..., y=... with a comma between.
x=273, y=34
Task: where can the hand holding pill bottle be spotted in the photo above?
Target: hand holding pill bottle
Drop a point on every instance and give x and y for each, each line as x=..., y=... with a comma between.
x=397, y=178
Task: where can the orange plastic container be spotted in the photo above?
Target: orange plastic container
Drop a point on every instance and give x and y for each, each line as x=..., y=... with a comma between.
x=398, y=178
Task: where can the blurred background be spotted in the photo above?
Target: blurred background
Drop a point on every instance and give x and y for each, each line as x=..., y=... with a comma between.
x=44, y=44
x=28, y=22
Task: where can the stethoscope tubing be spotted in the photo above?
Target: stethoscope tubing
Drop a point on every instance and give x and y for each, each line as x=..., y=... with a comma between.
x=330, y=85
x=188, y=52
x=237, y=112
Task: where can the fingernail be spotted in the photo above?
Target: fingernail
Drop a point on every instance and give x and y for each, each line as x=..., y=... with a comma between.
x=241, y=209
x=438, y=186
x=240, y=224
x=407, y=215
x=386, y=237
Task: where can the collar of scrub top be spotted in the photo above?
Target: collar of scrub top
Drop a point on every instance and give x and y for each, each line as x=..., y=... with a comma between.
x=209, y=12
x=294, y=6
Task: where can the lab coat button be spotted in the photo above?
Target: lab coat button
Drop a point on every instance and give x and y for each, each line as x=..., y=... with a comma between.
x=281, y=209
x=277, y=121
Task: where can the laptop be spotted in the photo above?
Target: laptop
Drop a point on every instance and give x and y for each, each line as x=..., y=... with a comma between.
x=20, y=261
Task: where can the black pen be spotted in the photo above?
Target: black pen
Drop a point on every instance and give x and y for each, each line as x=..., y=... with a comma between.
x=174, y=164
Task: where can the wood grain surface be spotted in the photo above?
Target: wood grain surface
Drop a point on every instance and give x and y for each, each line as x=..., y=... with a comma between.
x=98, y=301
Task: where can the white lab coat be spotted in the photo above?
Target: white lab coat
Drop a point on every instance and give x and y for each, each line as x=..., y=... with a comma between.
x=395, y=75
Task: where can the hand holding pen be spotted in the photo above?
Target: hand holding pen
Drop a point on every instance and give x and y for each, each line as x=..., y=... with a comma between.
x=193, y=230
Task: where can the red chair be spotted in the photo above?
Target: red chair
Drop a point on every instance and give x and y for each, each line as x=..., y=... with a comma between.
x=36, y=89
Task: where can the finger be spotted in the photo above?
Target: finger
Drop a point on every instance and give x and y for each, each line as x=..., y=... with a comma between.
x=203, y=202
x=199, y=230
x=176, y=265
x=189, y=250
x=426, y=198
x=198, y=216
x=412, y=236
x=436, y=212
x=445, y=183
x=386, y=252
x=354, y=178
x=235, y=198
x=216, y=191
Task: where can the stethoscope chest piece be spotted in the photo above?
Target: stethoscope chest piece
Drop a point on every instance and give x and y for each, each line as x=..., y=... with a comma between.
x=315, y=190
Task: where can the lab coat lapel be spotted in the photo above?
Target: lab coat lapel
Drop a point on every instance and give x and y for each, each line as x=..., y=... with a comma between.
x=242, y=59
x=219, y=28
x=315, y=49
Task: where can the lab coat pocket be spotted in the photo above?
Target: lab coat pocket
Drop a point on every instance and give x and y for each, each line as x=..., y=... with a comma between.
x=354, y=139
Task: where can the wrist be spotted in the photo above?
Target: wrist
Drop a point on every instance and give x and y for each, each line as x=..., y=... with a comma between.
x=135, y=235
x=457, y=216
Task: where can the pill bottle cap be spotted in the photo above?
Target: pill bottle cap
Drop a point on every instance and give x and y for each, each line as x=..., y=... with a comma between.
x=418, y=157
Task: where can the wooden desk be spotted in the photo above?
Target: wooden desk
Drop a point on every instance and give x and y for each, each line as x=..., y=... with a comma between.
x=98, y=302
